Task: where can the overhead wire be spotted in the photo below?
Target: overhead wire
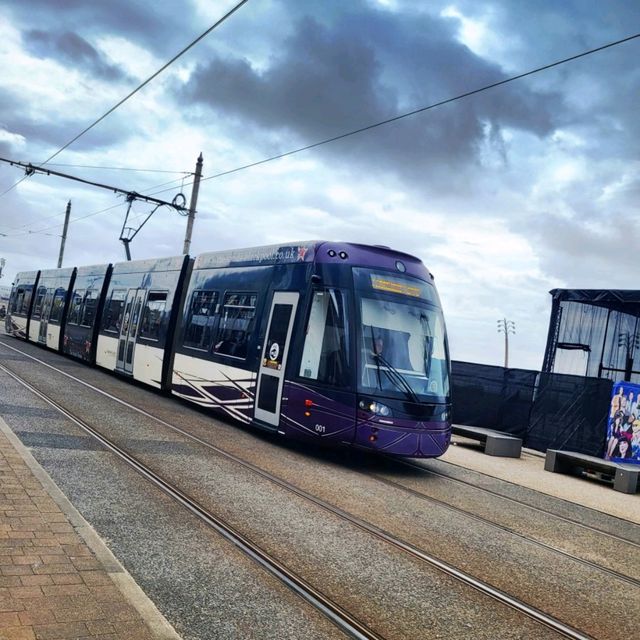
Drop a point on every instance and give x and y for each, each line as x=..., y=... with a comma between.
x=57, y=215
x=132, y=93
x=88, y=215
x=90, y=166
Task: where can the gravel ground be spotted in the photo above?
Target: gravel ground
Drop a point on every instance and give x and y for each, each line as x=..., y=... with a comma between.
x=398, y=596
x=606, y=509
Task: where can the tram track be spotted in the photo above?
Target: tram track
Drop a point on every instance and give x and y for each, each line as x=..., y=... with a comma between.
x=512, y=500
x=615, y=574
x=467, y=579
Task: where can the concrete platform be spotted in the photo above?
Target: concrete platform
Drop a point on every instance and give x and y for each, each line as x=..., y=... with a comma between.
x=57, y=578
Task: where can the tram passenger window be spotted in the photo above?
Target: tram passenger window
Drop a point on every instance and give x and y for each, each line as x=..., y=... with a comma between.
x=153, y=314
x=113, y=311
x=236, y=324
x=75, y=310
x=37, y=307
x=89, y=308
x=46, y=305
x=57, y=306
x=26, y=300
x=200, y=321
x=22, y=300
x=325, y=357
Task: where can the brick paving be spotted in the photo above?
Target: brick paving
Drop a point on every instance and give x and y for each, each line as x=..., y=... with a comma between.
x=51, y=584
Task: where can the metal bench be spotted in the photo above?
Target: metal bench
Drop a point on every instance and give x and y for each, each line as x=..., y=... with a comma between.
x=625, y=476
x=495, y=443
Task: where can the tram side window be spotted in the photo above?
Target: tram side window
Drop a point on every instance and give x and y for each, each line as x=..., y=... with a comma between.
x=89, y=308
x=15, y=302
x=113, y=311
x=57, y=306
x=75, y=310
x=200, y=322
x=325, y=357
x=37, y=307
x=45, y=313
x=236, y=324
x=153, y=314
x=12, y=301
x=22, y=300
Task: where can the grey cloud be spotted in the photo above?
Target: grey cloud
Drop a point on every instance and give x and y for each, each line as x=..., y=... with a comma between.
x=110, y=132
x=586, y=254
x=156, y=25
x=367, y=66
x=70, y=48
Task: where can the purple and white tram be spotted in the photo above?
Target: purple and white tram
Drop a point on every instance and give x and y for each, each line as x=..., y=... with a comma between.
x=324, y=341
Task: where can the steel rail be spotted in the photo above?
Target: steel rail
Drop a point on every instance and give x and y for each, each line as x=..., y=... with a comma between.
x=414, y=465
x=334, y=612
x=472, y=516
x=485, y=588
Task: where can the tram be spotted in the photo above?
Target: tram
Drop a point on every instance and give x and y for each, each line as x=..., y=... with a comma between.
x=337, y=343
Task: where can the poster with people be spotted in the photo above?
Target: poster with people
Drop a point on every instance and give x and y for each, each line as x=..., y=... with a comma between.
x=623, y=432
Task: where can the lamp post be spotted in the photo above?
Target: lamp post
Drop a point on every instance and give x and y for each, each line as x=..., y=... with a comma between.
x=506, y=326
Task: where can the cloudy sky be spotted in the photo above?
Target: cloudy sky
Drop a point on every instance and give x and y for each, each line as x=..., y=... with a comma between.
x=504, y=195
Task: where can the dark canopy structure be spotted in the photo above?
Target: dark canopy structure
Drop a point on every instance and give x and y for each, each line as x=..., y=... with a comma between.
x=594, y=332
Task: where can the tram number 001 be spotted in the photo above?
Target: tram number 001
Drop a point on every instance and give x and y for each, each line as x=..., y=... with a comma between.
x=320, y=428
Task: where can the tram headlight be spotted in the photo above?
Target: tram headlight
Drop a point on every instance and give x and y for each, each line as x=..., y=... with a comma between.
x=376, y=407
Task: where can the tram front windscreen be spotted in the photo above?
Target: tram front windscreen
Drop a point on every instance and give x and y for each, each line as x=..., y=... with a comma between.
x=403, y=347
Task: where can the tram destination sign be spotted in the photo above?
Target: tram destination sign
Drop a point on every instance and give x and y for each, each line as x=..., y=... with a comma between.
x=395, y=285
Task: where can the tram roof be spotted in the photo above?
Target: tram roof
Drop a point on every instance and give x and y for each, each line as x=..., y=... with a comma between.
x=28, y=277
x=93, y=270
x=254, y=256
x=66, y=272
x=298, y=252
x=153, y=264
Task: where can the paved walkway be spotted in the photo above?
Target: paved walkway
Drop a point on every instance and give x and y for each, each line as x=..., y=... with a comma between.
x=57, y=579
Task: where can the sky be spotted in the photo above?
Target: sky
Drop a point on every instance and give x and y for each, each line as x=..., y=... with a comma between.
x=504, y=195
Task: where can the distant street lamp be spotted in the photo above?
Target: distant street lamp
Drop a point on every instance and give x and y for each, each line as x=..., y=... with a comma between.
x=506, y=326
x=2, y=263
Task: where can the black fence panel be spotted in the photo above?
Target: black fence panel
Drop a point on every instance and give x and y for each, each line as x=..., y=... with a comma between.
x=476, y=394
x=492, y=397
x=570, y=413
x=546, y=410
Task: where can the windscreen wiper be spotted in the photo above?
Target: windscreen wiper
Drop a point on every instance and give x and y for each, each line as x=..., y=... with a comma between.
x=397, y=378
x=373, y=348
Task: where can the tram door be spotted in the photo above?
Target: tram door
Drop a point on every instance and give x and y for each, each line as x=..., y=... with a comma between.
x=274, y=356
x=44, y=316
x=129, y=329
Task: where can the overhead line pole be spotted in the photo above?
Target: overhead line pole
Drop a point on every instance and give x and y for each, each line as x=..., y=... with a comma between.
x=64, y=233
x=192, y=205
